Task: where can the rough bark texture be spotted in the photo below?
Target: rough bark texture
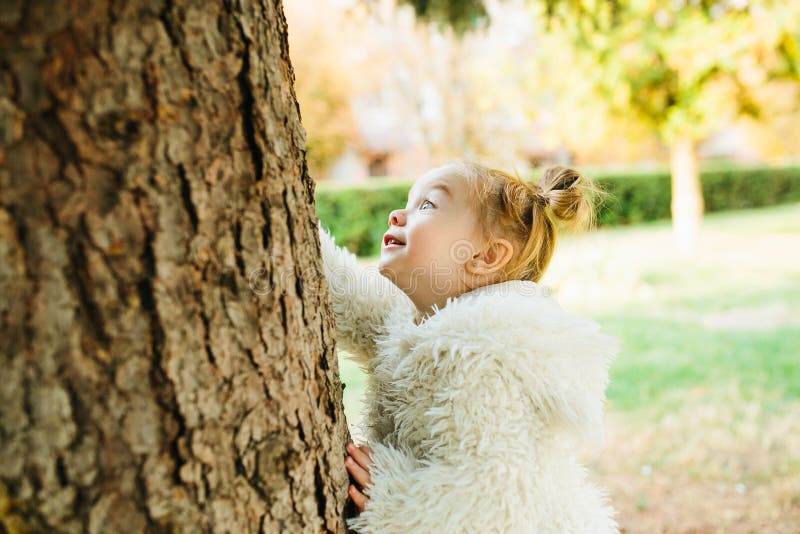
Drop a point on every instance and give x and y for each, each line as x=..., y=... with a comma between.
x=687, y=195
x=165, y=327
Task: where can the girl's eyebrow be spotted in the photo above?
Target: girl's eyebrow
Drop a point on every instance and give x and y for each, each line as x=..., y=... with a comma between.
x=443, y=187
x=439, y=185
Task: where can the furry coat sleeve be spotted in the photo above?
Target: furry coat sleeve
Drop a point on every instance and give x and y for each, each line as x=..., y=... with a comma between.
x=468, y=482
x=362, y=300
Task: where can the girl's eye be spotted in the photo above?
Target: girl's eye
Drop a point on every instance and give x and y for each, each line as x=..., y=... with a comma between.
x=426, y=202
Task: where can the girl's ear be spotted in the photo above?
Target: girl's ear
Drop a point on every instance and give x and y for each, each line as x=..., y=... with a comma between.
x=491, y=259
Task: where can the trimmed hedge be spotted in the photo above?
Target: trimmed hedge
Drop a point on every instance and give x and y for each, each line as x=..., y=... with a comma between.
x=358, y=214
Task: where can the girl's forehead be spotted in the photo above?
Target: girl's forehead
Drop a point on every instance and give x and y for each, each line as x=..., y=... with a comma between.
x=436, y=178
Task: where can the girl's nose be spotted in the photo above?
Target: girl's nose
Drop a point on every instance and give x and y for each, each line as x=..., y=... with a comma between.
x=397, y=218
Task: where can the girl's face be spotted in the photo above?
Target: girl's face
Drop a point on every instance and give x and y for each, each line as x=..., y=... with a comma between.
x=437, y=234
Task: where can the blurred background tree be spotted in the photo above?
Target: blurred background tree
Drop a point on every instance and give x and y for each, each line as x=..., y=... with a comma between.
x=681, y=68
x=326, y=87
x=547, y=81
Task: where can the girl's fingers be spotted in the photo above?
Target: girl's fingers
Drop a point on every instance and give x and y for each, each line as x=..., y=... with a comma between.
x=360, y=454
x=359, y=473
x=358, y=498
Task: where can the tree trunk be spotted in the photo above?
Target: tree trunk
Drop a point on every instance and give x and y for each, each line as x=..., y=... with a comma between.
x=165, y=329
x=687, y=195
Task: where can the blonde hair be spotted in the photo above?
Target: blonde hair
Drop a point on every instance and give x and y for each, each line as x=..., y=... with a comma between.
x=528, y=214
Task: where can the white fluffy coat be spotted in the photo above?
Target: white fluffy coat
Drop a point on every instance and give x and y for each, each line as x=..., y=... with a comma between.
x=474, y=415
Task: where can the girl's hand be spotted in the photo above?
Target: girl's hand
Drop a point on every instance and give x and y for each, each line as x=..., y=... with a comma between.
x=358, y=463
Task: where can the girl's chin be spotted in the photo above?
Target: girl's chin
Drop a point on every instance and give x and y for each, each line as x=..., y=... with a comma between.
x=385, y=258
x=387, y=271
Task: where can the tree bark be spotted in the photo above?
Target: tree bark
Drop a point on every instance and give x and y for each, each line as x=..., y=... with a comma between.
x=166, y=334
x=687, y=195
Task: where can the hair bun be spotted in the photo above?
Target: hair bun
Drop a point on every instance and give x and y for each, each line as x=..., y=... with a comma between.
x=569, y=194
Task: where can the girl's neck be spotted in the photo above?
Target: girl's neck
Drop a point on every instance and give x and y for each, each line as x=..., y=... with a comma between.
x=426, y=312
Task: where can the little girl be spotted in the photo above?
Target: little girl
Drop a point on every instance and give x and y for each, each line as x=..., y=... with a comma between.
x=480, y=386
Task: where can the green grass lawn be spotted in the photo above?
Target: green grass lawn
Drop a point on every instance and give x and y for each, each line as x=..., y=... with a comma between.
x=728, y=317
x=663, y=360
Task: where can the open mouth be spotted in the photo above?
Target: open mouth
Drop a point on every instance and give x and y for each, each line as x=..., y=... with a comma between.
x=391, y=241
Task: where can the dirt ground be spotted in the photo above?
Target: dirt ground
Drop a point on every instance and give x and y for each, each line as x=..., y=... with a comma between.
x=715, y=467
